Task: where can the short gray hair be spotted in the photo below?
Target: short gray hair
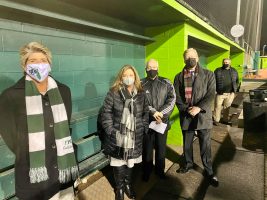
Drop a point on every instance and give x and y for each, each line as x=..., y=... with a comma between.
x=190, y=50
x=226, y=59
x=33, y=47
x=152, y=59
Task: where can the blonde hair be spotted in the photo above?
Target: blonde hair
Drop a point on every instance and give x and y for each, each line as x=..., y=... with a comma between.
x=33, y=47
x=190, y=50
x=118, y=81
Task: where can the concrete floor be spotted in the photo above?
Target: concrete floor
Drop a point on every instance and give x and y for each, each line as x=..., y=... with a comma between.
x=102, y=188
x=238, y=161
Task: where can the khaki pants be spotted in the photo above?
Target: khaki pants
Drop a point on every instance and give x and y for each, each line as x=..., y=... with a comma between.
x=224, y=102
x=67, y=194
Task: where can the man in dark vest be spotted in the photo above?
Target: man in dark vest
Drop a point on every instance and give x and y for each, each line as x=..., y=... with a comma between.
x=226, y=86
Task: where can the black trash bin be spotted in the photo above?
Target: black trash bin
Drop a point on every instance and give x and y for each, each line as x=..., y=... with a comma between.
x=255, y=116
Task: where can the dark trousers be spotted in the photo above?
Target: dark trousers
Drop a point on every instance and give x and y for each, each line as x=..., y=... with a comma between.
x=153, y=140
x=205, y=148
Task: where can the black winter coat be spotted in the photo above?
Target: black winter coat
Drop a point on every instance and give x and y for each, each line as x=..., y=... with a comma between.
x=14, y=131
x=202, y=96
x=111, y=118
x=160, y=94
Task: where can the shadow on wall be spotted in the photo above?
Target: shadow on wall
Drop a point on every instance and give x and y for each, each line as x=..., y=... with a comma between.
x=5, y=82
x=93, y=92
x=90, y=90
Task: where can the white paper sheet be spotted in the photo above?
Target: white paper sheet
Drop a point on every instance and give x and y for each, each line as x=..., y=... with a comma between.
x=160, y=128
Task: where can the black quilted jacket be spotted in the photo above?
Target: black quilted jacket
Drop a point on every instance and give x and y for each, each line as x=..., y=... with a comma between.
x=111, y=118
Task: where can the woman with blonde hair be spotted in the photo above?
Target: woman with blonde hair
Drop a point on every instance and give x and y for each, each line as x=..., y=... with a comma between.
x=34, y=122
x=125, y=121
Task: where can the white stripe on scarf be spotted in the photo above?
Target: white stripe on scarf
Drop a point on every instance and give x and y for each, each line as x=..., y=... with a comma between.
x=36, y=141
x=33, y=105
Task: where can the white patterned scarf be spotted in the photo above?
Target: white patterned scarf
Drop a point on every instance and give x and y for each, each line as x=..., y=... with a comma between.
x=126, y=136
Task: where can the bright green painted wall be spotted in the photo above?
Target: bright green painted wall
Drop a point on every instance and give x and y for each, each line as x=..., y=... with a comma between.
x=263, y=62
x=215, y=55
x=170, y=43
x=168, y=48
x=237, y=61
x=204, y=36
x=215, y=59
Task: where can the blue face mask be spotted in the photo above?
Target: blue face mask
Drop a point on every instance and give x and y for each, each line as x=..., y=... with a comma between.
x=128, y=80
x=38, y=72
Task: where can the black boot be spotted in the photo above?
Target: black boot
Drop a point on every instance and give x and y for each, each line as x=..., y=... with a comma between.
x=119, y=176
x=119, y=194
x=128, y=184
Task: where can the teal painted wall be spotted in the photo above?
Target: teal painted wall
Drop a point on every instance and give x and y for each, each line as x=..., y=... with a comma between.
x=86, y=63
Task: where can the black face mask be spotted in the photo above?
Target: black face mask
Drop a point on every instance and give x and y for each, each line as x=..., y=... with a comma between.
x=152, y=73
x=190, y=62
x=225, y=66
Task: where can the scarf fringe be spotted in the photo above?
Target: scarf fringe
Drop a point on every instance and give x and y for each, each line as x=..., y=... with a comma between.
x=66, y=175
x=38, y=174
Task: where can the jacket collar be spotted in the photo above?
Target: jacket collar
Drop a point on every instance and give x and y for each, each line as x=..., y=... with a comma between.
x=20, y=84
x=200, y=70
x=149, y=79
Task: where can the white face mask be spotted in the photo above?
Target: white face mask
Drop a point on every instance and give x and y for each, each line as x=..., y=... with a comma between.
x=39, y=71
x=128, y=80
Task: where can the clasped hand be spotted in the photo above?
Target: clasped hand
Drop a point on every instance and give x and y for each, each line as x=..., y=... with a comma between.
x=158, y=116
x=194, y=110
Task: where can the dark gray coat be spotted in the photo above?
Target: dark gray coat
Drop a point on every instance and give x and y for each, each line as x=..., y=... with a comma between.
x=14, y=130
x=202, y=96
x=111, y=118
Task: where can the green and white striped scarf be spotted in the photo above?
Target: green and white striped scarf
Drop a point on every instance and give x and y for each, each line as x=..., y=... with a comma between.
x=67, y=166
